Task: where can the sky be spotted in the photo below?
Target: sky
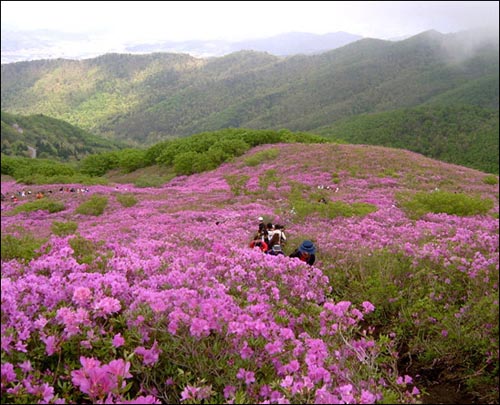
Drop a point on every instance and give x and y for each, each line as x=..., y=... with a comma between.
x=134, y=21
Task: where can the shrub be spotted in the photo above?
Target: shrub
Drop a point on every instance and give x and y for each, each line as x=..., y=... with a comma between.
x=267, y=178
x=98, y=165
x=84, y=250
x=443, y=202
x=237, y=183
x=131, y=159
x=261, y=156
x=23, y=248
x=64, y=228
x=335, y=178
x=95, y=205
x=42, y=204
x=21, y=168
x=490, y=179
x=340, y=209
x=152, y=181
x=184, y=163
x=334, y=209
x=126, y=200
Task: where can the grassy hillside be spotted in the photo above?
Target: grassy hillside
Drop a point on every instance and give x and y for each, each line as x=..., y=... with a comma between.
x=463, y=135
x=147, y=98
x=50, y=138
x=157, y=288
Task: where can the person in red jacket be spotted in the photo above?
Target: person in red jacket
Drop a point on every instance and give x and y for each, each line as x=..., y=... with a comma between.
x=258, y=243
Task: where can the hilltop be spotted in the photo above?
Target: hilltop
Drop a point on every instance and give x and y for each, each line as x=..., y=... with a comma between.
x=404, y=292
x=459, y=134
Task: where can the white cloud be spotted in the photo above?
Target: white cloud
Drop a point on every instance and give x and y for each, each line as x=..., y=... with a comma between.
x=236, y=20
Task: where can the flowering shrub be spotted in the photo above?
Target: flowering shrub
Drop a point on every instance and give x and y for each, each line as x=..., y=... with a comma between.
x=163, y=302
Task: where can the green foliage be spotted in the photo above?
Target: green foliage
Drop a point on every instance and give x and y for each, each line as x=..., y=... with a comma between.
x=443, y=202
x=267, y=178
x=148, y=181
x=335, y=178
x=84, y=250
x=206, y=151
x=131, y=159
x=19, y=167
x=42, y=204
x=64, y=228
x=44, y=171
x=332, y=209
x=184, y=156
x=98, y=165
x=490, y=179
x=261, y=156
x=95, y=205
x=302, y=207
x=437, y=313
x=228, y=148
x=237, y=183
x=23, y=248
x=126, y=200
x=49, y=138
x=185, y=163
x=377, y=276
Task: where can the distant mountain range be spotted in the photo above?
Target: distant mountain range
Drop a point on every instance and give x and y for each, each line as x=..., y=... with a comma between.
x=292, y=43
x=46, y=44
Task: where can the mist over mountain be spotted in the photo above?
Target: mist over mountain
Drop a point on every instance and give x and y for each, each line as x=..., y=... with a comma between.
x=291, y=43
x=47, y=44
x=42, y=44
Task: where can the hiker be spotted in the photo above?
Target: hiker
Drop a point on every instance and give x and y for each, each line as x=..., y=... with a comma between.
x=269, y=228
x=277, y=237
x=258, y=243
x=262, y=233
x=262, y=225
x=305, y=252
x=270, y=231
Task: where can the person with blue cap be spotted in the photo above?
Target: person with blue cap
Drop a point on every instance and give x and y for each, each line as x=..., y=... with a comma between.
x=305, y=252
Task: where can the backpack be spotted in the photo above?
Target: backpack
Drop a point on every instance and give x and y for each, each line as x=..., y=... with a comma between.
x=276, y=250
x=275, y=240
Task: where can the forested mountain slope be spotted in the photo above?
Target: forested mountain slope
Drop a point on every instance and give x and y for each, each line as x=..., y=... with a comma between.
x=46, y=137
x=147, y=98
x=464, y=135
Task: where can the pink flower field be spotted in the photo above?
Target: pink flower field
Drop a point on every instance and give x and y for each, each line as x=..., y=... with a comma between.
x=164, y=302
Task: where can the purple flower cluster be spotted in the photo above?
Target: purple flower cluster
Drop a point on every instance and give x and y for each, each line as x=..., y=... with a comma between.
x=177, y=264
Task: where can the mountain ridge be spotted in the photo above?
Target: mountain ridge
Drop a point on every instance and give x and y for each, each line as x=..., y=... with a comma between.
x=146, y=97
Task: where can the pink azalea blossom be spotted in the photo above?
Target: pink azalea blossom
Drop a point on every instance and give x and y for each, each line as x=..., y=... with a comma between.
x=118, y=340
